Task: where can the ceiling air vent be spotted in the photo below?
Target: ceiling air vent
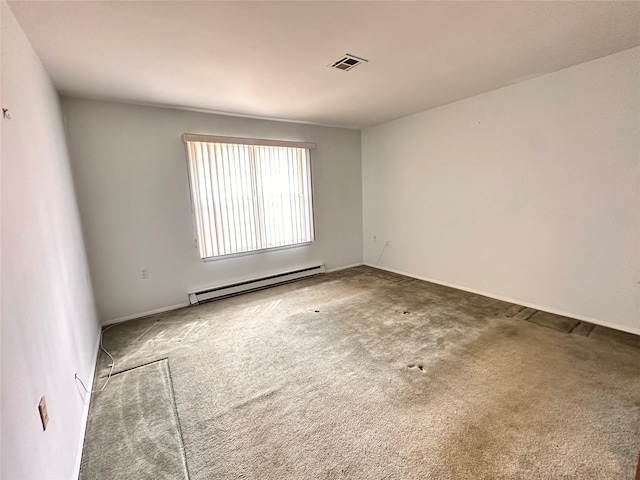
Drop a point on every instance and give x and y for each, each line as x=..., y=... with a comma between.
x=347, y=62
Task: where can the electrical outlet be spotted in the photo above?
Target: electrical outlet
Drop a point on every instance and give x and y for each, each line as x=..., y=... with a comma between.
x=388, y=244
x=144, y=273
x=44, y=415
x=375, y=238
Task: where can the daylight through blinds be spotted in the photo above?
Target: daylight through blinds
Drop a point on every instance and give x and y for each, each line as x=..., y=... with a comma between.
x=249, y=197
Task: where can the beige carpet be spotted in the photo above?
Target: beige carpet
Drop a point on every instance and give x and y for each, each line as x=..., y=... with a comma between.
x=363, y=374
x=134, y=428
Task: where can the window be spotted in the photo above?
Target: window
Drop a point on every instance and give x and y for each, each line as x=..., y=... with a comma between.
x=248, y=194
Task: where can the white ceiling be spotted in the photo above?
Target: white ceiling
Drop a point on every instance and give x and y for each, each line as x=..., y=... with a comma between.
x=269, y=59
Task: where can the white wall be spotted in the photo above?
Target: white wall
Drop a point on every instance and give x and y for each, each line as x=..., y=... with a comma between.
x=49, y=327
x=131, y=177
x=528, y=193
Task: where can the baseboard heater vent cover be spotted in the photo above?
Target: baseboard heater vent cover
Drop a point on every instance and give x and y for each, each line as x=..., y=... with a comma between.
x=255, y=284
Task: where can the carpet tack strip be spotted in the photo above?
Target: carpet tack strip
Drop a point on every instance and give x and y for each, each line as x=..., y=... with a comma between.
x=583, y=328
x=513, y=310
x=526, y=313
x=555, y=322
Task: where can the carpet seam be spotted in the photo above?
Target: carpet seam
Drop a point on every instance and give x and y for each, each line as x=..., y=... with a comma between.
x=139, y=366
x=175, y=411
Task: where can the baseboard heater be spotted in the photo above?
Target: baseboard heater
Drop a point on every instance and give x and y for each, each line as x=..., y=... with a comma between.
x=255, y=284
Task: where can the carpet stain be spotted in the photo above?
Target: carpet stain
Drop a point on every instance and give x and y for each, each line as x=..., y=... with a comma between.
x=365, y=374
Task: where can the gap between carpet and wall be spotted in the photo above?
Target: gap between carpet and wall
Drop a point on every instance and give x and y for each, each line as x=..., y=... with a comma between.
x=145, y=314
x=85, y=409
x=186, y=304
x=635, y=331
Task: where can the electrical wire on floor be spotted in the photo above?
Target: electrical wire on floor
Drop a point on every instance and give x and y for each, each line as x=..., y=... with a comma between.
x=111, y=365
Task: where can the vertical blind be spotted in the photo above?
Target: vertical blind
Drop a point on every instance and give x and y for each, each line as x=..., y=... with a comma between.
x=249, y=197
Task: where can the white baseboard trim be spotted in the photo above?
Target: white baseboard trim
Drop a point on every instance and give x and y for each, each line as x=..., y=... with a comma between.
x=145, y=314
x=635, y=331
x=337, y=269
x=85, y=410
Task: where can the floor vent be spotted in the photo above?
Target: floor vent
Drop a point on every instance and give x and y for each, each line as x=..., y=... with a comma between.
x=251, y=285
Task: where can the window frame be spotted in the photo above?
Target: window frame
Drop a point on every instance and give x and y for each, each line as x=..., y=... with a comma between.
x=188, y=137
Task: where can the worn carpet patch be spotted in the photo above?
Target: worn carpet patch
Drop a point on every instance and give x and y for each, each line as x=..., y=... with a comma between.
x=133, y=429
x=557, y=322
x=367, y=375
